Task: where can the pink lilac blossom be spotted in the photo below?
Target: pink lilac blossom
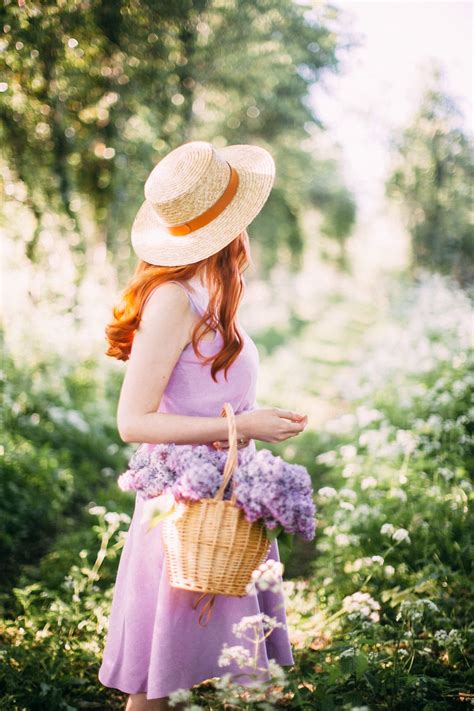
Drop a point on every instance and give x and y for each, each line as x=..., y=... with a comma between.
x=266, y=486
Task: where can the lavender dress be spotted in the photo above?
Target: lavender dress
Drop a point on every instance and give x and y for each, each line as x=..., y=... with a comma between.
x=154, y=642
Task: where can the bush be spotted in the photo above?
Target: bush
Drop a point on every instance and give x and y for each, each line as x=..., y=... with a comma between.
x=60, y=448
x=391, y=620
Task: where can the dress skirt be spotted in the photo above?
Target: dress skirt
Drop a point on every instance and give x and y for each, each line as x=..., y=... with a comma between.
x=154, y=643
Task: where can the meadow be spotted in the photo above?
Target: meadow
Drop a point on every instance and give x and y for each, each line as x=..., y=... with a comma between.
x=378, y=606
x=359, y=299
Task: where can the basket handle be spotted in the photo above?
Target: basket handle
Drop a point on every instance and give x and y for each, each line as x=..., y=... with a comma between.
x=231, y=461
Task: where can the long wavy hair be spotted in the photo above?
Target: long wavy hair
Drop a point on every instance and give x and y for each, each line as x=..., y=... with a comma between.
x=226, y=284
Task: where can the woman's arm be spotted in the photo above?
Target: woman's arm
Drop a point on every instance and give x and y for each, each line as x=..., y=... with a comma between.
x=164, y=330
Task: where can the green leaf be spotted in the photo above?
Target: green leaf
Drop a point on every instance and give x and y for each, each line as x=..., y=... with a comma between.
x=360, y=664
x=285, y=542
x=273, y=532
x=355, y=663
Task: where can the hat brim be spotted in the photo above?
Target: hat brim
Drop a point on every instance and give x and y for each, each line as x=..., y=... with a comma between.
x=154, y=244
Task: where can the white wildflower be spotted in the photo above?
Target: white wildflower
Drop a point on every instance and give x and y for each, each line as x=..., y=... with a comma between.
x=237, y=653
x=387, y=529
x=341, y=425
x=268, y=576
x=398, y=493
x=97, y=510
x=175, y=697
x=328, y=458
x=372, y=439
x=349, y=470
x=251, y=621
x=414, y=610
x=347, y=505
x=378, y=559
x=327, y=492
x=362, y=604
x=342, y=539
x=360, y=563
x=348, y=494
x=224, y=681
x=348, y=452
x=446, y=473
x=401, y=534
x=368, y=482
x=276, y=671
x=365, y=416
x=453, y=638
x=407, y=441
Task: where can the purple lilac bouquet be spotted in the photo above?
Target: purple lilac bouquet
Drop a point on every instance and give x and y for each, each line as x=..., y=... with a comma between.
x=267, y=487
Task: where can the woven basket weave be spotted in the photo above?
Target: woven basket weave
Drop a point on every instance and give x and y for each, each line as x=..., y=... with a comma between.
x=209, y=545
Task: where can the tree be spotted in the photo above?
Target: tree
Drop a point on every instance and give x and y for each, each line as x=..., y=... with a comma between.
x=98, y=92
x=433, y=179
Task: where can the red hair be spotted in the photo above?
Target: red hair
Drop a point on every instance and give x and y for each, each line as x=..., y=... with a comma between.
x=226, y=285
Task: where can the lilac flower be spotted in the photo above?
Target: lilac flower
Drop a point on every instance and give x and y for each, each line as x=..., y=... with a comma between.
x=198, y=480
x=266, y=486
x=279, y=492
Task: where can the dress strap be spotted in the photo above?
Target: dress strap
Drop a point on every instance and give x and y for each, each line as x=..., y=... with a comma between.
x=192, y=299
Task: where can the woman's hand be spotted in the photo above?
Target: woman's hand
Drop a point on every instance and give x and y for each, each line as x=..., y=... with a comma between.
x=268, y=425
x=224, y=443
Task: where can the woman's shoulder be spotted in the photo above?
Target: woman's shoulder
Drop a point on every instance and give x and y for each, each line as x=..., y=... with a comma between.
x=169, y=296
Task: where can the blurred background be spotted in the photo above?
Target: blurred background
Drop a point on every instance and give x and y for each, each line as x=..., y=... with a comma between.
x=359, y=300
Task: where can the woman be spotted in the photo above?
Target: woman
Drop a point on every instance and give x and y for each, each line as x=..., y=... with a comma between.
x=189, y=356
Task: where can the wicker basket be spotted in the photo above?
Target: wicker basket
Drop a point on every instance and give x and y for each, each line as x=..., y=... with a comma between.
x=209, y=545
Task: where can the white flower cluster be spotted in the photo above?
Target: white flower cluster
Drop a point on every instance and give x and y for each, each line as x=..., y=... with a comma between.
x=327, y=492
x=237, y=653
x=368, y=482
x=97, y=510
x=304, y=619
x=179, y=696
x=414, y=610
x=436, y=324
x=111, y=517
x=397, y=534
x=362, y=563
x=407, y=441
x=329, y=458
x=266, y=577
x=223, y=682
x=453, y=638
x=276, y=671
x=362, y=604
x=252, y=621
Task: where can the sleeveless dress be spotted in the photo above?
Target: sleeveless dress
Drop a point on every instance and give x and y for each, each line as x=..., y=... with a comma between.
x=154, y=643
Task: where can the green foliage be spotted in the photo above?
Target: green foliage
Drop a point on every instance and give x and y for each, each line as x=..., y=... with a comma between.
x=385, y=619
x=49, y=653
x=327, y=192
x=99, y=93
x=390, y=621
x=60, y=447
x=433, y=179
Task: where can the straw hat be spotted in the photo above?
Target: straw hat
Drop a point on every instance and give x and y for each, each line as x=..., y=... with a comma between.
x=198, y=199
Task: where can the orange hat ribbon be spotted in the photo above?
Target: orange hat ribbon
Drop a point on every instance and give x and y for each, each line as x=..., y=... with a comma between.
x=212, y=212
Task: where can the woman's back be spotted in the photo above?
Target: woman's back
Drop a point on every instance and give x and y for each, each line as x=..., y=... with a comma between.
x=191, y=390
